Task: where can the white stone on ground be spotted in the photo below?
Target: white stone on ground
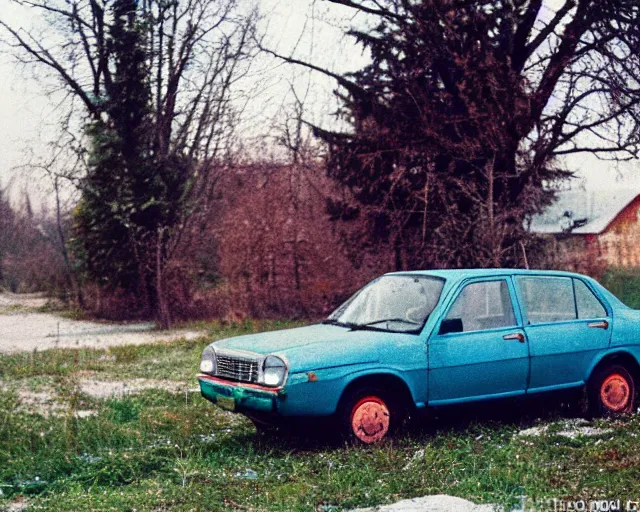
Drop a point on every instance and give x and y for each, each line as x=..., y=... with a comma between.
x=436, y=503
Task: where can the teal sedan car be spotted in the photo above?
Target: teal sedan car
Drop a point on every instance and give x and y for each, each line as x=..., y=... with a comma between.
x=413, y=340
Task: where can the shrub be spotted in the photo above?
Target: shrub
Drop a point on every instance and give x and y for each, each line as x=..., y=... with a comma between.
x=624, y=284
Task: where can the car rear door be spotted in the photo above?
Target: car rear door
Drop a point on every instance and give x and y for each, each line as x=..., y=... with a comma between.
x=489, y=356
x=566, y=325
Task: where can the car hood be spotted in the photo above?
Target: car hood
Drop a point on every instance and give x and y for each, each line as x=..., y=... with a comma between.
x=319, y=346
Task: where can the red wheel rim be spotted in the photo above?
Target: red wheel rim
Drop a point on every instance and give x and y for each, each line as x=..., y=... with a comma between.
x=370, y=419
x=615, y=392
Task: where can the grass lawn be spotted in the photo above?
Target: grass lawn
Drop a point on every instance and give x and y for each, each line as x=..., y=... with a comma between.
x=159, y=451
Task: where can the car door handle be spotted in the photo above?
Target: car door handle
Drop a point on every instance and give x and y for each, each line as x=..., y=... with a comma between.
x=514, y=336
x=599, y=325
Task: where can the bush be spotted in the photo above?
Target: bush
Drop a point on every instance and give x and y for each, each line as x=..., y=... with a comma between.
x=624, y=284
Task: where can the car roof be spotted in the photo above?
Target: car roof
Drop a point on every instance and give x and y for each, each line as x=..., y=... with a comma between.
x=469, y=273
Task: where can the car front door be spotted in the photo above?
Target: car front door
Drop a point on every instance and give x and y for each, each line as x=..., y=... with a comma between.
x=566, y=326
x=480, y=349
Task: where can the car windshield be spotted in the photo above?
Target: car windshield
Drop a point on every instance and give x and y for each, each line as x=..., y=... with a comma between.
x=399, y=303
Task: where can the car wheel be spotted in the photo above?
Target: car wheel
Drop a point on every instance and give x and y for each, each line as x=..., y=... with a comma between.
x=263, y=426
x=369, y=415
x=612, y=391
x=264, y=429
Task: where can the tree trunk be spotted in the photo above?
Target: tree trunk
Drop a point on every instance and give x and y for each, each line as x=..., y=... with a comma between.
x=495, y=245
x=161, y=306
x=72, y=280
x=397, y=254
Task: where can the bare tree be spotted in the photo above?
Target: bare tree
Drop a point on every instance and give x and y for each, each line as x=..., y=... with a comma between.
x=7, y=217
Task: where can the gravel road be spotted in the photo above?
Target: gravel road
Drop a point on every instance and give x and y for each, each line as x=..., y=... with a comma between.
x=29, y=331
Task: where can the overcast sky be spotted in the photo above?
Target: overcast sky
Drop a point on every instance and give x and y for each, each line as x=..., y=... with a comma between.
x=27, y=117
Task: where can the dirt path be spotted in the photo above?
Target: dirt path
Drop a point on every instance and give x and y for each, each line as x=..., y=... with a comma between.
x=28, y=331
x=25, y=300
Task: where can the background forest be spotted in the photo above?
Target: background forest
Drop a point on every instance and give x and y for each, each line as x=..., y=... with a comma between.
x=445, y=142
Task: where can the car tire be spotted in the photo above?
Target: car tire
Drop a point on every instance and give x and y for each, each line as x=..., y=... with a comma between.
x=368, y=415
x=612, y=391
x=263, y=426
x=264, y=429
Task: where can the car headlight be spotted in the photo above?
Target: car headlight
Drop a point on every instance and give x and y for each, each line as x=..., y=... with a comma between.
x=274, y=371
x=208, y=361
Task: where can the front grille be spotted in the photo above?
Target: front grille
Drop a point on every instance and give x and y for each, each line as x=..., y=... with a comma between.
x=237, y=368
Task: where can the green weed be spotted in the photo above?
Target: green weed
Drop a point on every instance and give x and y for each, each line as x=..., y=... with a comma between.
x=159, y=451
x=177, y=360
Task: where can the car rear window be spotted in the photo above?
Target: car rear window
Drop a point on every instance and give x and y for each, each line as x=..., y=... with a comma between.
x=547, y=299
x=588, y=304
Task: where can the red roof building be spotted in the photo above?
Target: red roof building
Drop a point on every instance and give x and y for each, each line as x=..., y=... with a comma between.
x=593, y=230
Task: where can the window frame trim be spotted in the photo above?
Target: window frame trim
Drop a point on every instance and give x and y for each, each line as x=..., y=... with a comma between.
x=515, y=305
x=608, y=313
x=525, y=310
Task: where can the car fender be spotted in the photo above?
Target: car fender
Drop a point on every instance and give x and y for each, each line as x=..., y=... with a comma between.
x=318, y=392
x=629, y=351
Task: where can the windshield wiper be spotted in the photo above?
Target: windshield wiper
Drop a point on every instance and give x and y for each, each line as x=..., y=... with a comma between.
x=403, y=320
x=369, y=325
x=351, y=325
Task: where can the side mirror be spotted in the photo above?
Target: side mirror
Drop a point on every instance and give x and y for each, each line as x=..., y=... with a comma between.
x=451, y=325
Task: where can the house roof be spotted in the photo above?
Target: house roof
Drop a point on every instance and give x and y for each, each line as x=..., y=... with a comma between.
x=589, y=211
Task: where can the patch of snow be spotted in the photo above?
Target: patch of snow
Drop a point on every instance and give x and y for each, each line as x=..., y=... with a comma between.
x=533, y=431
x=118, y=388
x=249, y=474
x=48, y=403
x=419, y=455
x=571, y=429
x=584, y=431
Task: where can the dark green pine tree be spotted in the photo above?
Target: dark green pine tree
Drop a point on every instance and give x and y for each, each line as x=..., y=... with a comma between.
x=131, y=196
x=436, y=158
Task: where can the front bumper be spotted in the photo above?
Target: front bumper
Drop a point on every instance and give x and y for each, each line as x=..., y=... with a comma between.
x=240, y=397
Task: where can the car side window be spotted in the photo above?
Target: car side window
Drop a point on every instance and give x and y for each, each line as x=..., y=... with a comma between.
x=588, y=304
x=547, y=299
x=483, y=305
